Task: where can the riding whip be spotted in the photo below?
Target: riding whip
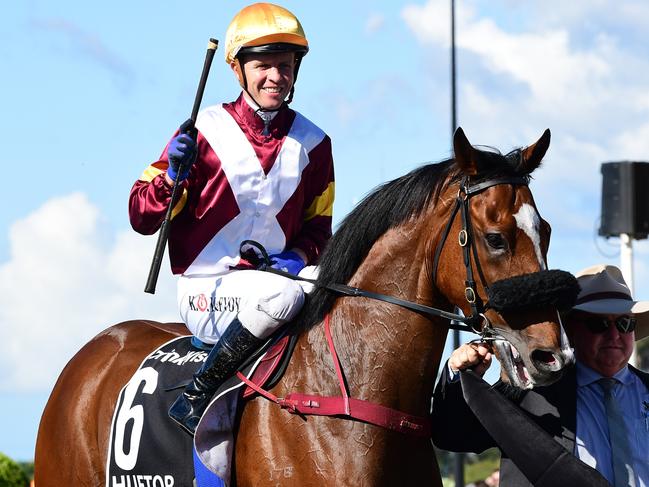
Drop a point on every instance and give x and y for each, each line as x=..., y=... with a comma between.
x=187, y=127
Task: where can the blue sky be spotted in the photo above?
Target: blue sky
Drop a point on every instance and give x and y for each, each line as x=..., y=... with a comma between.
x=90, y=93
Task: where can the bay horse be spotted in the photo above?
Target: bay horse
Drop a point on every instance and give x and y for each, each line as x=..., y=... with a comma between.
x=393, y=243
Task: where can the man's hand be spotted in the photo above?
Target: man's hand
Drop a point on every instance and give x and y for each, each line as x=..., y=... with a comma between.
x=181, y=153
x=289, y=261
x=476, y=356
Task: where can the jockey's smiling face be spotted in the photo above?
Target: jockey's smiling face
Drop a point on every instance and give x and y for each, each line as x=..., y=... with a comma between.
x=269, y=77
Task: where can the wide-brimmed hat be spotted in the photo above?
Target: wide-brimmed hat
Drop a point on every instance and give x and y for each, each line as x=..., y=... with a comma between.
x=604, y=292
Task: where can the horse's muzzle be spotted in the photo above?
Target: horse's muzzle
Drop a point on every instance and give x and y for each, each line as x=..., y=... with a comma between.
x=538, y=290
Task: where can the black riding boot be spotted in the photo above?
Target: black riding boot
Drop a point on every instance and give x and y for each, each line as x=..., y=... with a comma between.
x=234, y=347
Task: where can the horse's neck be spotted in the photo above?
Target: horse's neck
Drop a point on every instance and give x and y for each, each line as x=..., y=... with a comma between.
x=395, y=265
x=383, y=346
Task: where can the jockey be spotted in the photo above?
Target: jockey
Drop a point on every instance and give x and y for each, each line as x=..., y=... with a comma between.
x=256, y=170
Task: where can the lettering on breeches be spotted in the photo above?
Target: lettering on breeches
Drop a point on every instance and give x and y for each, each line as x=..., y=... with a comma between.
x=213, y=304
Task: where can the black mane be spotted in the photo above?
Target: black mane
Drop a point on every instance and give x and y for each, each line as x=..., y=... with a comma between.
x=387, y=206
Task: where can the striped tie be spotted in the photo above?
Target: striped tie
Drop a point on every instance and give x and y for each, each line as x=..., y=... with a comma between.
x=620, y=448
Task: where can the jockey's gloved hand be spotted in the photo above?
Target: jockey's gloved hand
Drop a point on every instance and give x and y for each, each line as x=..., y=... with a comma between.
x=181, y=153
x=287, y=261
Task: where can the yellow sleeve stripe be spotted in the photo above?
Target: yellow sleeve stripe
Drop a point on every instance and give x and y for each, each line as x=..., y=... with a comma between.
x=150, y=173
x=322, y=205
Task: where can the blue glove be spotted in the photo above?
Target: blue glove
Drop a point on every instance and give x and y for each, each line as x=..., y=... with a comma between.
x=181, y=152
x=287, y=261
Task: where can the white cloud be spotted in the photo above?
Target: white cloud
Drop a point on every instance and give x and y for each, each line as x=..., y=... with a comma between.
x=571, y=72
x=525, y=67
x=633, y=143
x=543, y=61
x=628, y=15
x=430, y=22
x=67, y=278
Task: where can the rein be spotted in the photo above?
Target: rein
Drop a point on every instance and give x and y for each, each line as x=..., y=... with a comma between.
x=356, y=292
x=470, y=323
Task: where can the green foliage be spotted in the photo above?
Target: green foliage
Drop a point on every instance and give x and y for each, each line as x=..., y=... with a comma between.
x=28, y=468
x=476, y=467
x=480, y=470
x=11, y=474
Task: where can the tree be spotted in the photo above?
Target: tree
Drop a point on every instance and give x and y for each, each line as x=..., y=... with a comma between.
x=11, y=474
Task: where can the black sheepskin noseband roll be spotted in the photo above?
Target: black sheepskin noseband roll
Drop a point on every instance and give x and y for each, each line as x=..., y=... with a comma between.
x=555, y=288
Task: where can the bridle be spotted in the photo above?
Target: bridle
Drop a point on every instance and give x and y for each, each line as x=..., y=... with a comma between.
x=477, y=322
x=465, y=239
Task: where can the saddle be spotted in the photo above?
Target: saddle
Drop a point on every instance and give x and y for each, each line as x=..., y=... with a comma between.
x=266, y=366
x=273, y=364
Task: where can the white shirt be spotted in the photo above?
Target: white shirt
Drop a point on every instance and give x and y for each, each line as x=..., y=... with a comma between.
x=592, y=444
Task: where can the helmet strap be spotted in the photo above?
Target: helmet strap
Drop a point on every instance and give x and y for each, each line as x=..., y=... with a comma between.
x=296, y=69
x=243, y=82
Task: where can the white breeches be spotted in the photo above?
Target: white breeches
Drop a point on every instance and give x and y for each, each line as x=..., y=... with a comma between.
x=262, y=301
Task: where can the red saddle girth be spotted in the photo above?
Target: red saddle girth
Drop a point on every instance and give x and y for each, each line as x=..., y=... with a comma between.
x=343, y=405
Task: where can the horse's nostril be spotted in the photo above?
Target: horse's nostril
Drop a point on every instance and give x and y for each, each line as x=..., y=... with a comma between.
x=544, y=357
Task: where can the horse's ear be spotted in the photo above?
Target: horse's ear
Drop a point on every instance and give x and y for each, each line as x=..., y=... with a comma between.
x=465, y=154
x=533, y=155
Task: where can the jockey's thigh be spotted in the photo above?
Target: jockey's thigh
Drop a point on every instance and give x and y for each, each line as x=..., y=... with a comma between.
x=262, y=301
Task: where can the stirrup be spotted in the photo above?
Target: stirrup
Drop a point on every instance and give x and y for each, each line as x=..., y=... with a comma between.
x=187, y=414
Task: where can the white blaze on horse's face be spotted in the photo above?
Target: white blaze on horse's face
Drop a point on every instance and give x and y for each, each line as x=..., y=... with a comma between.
x=527, y=219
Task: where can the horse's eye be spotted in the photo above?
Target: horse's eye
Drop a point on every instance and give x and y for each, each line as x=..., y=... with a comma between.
x=495, y=241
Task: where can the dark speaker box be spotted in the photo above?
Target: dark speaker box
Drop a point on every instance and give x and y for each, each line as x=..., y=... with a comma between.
x=625, y=199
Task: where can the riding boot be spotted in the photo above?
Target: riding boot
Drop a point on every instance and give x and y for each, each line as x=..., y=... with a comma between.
x=234, y=347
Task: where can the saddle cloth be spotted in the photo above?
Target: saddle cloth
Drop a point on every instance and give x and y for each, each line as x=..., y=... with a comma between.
x=148, y=448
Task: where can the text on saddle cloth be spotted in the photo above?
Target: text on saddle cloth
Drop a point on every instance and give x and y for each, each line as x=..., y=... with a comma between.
x=145, y=445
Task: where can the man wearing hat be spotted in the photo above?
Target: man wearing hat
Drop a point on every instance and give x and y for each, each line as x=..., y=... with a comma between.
x=598, y=410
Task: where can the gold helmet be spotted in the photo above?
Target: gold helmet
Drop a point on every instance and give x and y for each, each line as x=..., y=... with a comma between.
x=264, y=27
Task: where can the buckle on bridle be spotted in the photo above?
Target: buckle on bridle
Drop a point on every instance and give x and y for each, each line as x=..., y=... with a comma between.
x=463, y=237
x=469, y=294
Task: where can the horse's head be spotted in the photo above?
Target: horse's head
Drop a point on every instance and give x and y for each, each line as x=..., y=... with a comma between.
x=498, y=272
